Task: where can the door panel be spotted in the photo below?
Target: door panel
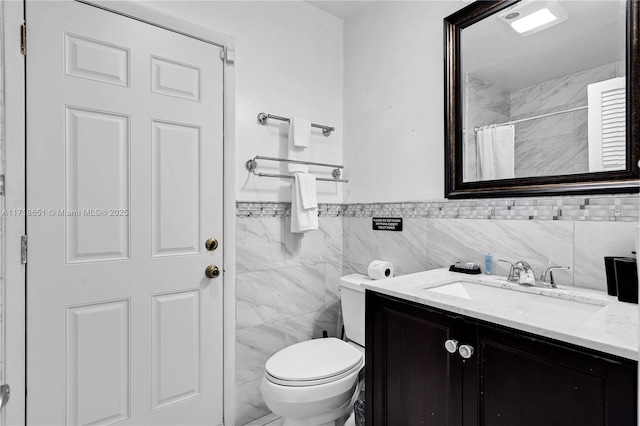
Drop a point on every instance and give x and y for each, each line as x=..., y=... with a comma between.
x=411, y=378
x=104, y=325
x=528, y=381
x=96, y=143
x=175, y=79
x=523, y=389
x=96, y=60
x=122, y=117
x=176, y=189
x=176, y=347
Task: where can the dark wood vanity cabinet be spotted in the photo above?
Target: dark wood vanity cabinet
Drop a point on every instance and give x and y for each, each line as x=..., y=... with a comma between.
x=410, y=378
x=511, y=379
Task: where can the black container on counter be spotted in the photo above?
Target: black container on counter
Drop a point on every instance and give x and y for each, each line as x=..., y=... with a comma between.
x=611, y=275
x=626, y=274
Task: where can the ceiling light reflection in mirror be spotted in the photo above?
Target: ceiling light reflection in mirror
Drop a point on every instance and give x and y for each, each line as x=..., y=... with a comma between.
x=529, y=17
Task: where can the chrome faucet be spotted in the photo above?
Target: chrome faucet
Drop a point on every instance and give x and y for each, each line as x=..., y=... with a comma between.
x=522, y=273
x=546, y=278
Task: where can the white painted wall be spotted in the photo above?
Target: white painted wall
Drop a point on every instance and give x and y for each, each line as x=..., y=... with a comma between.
x=288, y=62
x=394, y=101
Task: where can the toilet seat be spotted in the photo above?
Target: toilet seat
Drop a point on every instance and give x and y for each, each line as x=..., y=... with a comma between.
x=313, y=362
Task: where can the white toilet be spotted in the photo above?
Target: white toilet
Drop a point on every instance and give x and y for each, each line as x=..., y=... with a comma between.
x=316, y=382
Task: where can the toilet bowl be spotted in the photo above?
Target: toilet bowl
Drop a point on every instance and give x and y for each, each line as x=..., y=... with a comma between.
x=313, y=382
x=317, y=381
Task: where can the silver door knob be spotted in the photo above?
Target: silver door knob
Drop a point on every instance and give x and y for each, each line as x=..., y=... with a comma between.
x=465, y=351
x=451, y=346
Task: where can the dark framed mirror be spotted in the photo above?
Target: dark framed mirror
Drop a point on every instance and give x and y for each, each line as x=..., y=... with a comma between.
x=551, y=109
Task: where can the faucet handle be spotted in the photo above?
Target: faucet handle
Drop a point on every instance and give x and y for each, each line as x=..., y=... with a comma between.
x=546, y=278
x=514, y=273
x=520, y=273
x=525, y=275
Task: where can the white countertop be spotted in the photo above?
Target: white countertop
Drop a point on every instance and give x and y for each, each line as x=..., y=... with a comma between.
x=612, y=327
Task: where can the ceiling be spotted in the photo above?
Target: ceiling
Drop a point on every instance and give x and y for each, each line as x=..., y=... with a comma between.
x=340, y=9
x=496, y=53
x=593, y=35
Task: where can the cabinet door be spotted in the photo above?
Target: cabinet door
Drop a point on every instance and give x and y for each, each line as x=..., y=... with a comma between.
x=526, y=381
x=411, y=379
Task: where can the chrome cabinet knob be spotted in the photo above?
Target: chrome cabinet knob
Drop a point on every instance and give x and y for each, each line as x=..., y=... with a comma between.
x=451, y=346
x=465, y=351
x=212, y=271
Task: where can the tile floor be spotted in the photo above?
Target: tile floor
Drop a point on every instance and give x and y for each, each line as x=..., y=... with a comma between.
x=269, y=419
x=273, y=420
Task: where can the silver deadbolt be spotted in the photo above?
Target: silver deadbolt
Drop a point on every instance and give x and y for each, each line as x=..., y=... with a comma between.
x=212, y=271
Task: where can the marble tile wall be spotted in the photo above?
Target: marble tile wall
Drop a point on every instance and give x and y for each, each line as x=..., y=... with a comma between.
x=610, y=208
x=287, y=286
x=485, y=103
x=557, y=144
x=568, y=231
x=286, y=290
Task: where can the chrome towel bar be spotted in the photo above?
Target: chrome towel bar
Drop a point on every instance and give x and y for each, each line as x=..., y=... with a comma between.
x=263, y=118
x=252, y=164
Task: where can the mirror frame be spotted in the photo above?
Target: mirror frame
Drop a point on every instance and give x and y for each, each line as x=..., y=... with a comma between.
x=618, y=181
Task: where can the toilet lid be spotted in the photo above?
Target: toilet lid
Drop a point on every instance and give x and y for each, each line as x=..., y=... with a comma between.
x=314, y=360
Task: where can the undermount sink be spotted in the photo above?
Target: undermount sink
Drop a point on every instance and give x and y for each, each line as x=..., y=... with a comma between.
x=519, y=301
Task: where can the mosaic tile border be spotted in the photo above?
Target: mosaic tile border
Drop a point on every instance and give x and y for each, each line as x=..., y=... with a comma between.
x=281, y=209
x=618, y=208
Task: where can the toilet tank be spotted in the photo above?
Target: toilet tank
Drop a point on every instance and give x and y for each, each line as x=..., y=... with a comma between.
x=352, y=303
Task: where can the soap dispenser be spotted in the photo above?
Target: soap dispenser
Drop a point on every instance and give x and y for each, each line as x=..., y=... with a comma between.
x=488, y=264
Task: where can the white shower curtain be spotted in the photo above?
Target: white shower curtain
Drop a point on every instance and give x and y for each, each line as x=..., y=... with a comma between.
x=495, y=152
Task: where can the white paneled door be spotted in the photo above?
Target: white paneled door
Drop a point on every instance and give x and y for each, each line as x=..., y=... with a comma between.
x=124, y=186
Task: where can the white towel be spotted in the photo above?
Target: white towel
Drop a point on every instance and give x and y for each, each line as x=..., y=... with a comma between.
x=299, y=132
x=304, y=205
x=308, y=193
x=299, y=135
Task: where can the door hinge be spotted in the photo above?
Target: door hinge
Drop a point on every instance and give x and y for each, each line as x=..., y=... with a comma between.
x=23, y=249
x=23, y=39
x=228, y=55
x=1, y=185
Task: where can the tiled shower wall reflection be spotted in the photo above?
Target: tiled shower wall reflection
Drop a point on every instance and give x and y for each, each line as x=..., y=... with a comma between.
x=484, y=104
x=286, y=290
x=557, y=144
x=554, y=145
x=287, y=286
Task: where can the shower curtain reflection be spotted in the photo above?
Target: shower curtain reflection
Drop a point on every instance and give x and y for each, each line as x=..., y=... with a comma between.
x=495, y=152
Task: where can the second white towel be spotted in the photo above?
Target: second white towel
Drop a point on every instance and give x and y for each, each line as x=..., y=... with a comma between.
x=304, y=203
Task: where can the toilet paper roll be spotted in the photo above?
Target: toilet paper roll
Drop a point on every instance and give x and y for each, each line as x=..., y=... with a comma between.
x=379, y=269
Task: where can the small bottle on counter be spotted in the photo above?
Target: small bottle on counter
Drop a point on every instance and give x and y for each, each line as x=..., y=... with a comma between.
x=488, y=264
